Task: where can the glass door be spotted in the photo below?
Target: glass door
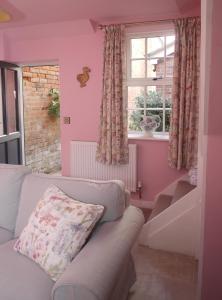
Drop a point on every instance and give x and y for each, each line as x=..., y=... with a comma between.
x=10, y=127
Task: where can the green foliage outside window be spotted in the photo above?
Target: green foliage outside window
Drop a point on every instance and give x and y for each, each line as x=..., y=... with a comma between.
x=54, y=105
x=152, y=99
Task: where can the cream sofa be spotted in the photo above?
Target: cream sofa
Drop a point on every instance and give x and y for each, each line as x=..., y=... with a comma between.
x=103, y=270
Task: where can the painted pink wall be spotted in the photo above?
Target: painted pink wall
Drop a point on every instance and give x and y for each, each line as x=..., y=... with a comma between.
x=2, y=50
x=212, y=256
x=72, y=52
x=153, y=169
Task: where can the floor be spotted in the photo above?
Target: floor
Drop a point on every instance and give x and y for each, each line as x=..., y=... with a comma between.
x=163, y=275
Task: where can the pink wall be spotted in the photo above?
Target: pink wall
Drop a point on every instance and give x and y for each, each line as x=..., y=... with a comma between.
x=212, y=256
x=72, y=52
x=153, y=169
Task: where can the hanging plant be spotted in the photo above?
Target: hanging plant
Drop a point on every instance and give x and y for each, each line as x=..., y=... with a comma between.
x=54, y=105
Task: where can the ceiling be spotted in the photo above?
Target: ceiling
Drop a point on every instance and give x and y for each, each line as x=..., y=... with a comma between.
x=30, y=12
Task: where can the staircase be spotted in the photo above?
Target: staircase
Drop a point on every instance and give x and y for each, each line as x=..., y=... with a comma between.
x=174, y=224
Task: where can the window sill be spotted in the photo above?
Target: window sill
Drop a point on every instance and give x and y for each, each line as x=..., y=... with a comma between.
x=156, y=137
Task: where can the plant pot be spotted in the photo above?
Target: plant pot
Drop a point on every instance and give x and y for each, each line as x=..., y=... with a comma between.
x=148, y=133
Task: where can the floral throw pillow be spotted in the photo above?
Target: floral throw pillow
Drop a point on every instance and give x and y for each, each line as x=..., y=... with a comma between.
x=56, y=231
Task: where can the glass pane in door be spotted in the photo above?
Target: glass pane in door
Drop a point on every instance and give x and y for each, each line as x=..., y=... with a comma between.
x=1, y=119
x=1, y=109
x=10, y=137
x=11, y=106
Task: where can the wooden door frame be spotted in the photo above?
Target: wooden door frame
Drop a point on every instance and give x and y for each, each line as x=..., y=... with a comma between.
x=19, y=108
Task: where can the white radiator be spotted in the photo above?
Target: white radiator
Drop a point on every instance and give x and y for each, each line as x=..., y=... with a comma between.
x=84, y=165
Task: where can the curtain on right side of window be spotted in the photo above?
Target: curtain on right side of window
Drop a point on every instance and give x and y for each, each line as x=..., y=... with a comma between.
x=185, y=99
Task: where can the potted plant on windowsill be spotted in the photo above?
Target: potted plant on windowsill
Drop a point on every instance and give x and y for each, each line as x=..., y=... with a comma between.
x=149, y=124
x=54, y=105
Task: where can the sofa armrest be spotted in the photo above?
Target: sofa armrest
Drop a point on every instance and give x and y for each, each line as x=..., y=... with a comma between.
x=93, y=273
x=127, y=196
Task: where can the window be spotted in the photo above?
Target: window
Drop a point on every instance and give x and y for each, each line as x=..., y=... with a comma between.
x=10, y=79
x=150, y=59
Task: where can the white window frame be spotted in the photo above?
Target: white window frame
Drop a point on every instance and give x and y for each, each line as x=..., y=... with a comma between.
x=166, y=81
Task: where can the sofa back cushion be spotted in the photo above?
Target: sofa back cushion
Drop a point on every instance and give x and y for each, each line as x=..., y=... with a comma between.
x=11, y=178
x=110, y=194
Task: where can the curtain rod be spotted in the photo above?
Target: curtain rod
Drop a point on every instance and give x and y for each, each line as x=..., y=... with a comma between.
x=101, y=26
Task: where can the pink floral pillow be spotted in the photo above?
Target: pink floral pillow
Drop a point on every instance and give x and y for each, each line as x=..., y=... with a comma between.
x=56, y=231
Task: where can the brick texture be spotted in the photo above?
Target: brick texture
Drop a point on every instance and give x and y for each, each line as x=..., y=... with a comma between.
x=42, y=132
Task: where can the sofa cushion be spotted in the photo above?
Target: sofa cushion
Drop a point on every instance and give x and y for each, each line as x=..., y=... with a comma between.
x=11, y=178
x=57, y=230
x=5, y=235
x=21, y=278
x=110, y=194
x=162, y=202
x=183, y=187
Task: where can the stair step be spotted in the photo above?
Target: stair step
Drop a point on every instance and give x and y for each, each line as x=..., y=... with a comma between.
x=183, y=187
x=163, y=201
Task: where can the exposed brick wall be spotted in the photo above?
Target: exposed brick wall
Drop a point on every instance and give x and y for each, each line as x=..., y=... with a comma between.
x=169, y=72
x=42, y=133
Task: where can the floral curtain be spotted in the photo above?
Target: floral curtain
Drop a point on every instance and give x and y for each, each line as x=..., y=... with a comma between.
x=184, y=118
x=113, y=140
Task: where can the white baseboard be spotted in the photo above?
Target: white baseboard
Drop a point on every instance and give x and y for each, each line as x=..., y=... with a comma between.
x=142, y=203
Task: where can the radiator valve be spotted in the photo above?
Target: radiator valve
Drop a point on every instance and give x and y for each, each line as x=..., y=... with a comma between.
x=139, y=189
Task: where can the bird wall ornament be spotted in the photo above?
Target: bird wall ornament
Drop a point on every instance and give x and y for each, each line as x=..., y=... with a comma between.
x=84, y=76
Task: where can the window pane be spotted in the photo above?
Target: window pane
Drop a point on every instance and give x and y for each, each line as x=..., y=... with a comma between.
x=155, y=47
x=154, y=97
x=156, y=113
x=168, y=96
x=138, y=48
x=155, y=55
x=1, y=119
x=169, y=66
x=170, y=48
x=168, y=104
x=151, y=70
x=138, y=69
x=170, y=45
x=134, y=119
x=10, y=100
x=135, y=97
x=167, y=120
x=155, y=68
